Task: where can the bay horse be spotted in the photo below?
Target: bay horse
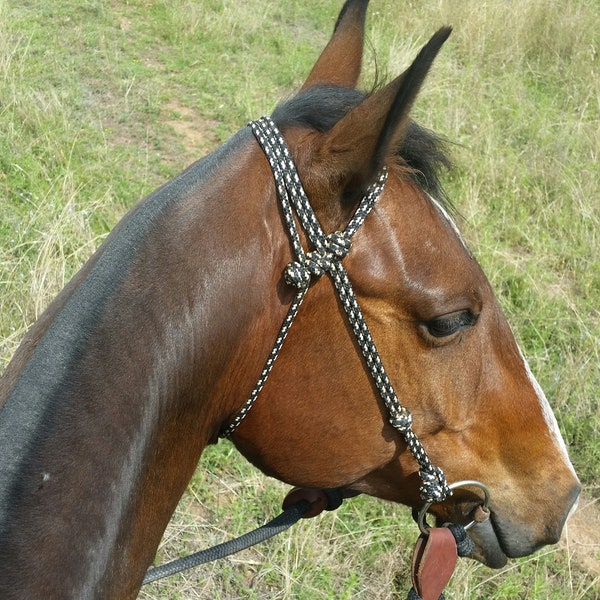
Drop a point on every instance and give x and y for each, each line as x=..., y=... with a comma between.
x=150, y=351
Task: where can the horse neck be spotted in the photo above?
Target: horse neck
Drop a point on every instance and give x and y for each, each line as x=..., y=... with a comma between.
x=127, y=377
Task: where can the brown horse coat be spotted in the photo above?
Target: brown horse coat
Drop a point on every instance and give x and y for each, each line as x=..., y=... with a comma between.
x=153, y=346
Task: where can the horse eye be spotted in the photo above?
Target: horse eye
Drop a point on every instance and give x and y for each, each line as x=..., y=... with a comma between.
x=451, y=323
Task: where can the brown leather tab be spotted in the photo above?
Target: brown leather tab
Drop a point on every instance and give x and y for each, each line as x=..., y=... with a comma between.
x=434, y=560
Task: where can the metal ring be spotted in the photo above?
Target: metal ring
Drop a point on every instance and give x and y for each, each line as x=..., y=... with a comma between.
x=424, y=528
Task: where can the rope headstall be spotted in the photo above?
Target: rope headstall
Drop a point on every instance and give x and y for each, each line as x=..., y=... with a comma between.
x=326, y=258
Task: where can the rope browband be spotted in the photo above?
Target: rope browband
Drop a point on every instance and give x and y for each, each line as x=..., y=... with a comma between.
x=329, y=250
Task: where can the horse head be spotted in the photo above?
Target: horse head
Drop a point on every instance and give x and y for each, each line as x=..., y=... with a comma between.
x=447, y=347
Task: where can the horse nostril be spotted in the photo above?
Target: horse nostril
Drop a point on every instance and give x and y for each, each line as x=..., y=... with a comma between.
x=570, y=506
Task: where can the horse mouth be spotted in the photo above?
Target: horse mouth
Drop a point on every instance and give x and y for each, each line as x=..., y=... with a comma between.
x=488, y=547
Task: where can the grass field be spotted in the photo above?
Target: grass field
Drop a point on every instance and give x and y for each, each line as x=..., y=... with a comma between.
x=101, y=101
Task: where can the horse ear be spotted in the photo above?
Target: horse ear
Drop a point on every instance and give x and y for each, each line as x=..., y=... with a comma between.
x=357, y=147
x=340, y=61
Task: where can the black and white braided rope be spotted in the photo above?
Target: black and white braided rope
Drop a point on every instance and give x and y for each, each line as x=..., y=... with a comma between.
x=329, y=250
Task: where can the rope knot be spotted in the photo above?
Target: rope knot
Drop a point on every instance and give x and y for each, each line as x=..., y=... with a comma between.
x=297, y=274
x=434, y=487
x=465, y=546
x=334, y=247
x=338, y=244
x=400, y=418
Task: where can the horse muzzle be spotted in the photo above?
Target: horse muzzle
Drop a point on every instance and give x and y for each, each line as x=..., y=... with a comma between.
x=500, y=537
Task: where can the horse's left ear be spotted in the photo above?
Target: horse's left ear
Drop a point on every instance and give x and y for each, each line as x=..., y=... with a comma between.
x=357, y=147
x=340, y=62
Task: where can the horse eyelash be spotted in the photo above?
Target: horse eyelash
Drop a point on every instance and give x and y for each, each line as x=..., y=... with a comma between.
x=450, y=324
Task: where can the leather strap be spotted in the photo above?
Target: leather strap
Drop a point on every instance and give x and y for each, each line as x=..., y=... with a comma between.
x=434, y=560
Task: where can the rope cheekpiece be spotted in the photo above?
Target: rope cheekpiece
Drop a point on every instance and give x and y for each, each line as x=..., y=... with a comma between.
x=329, y=250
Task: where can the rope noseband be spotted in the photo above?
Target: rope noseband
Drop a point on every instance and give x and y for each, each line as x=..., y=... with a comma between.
x=326, y=257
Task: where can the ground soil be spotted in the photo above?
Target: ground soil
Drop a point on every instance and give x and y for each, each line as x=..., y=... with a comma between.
x=581, y=536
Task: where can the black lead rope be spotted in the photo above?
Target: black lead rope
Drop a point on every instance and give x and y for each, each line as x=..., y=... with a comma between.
x=284, y=521
x=299, y=503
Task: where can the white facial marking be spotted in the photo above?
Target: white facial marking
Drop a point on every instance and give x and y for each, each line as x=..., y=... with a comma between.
x=544, y=404
x=548, y=414
x=450, y=221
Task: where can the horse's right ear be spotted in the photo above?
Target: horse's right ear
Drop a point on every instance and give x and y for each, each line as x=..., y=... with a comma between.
x=340, y=62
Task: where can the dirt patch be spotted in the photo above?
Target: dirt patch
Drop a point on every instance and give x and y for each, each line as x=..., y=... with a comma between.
x=581, y=536
x=125, y=23
x=196, y=133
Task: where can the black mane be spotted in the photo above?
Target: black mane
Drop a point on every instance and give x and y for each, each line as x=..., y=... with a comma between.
x=423, y=152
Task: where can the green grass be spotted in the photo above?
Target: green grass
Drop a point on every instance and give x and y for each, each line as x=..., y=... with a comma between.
x=100, y=102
